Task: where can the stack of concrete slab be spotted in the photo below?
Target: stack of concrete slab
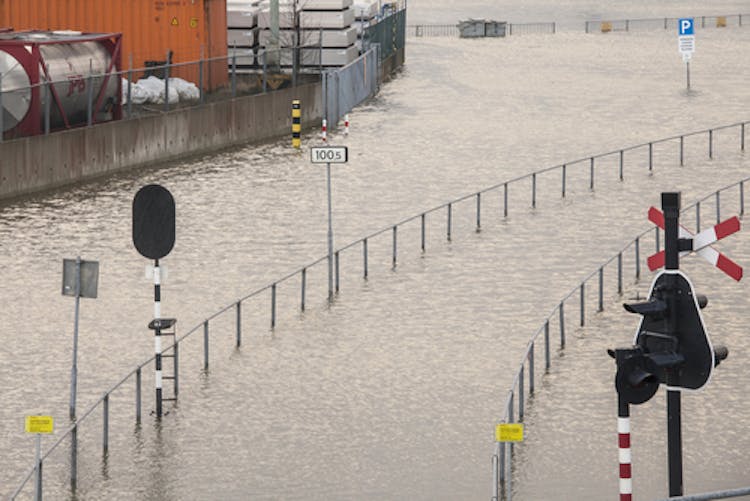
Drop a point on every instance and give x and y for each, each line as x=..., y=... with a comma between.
x=242, y=33
x=322, y=28
x=365, y=13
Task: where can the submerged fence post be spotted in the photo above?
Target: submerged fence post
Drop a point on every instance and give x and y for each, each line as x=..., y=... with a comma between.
x=564, y=169
x=546, y=346
x=423, y=232
x=505, y=200
x=710, y=143
x=583, y=304
x=533, y=190
x=531, y=369
x=273, y=306
x=205, y=345
x=239, y=326
x=450, y=211
x=105, y=424
x=601, y=289
x=521, y=394
x=176, y=371
x=303, y=284
x=364, y=254
x=718, y=207
x=742, y=137
x=591, y=184
x=138, y=395
x=336, y=260
x=622, y=158
x=637, y=258
x=650, y=157
x=657, y=240
x=562, y=325
x=395, y=245
x=742, y=198
x=682, y=151
x=479, y=212
x=74, y=457
x=619, y=273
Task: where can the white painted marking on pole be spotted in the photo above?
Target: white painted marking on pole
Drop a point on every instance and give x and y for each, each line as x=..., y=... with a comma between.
x=157, y=275
x=157, y=309
x=157, y=344
x=626, y=486
x=623, y=425
x=158, y=379
x=625, y=456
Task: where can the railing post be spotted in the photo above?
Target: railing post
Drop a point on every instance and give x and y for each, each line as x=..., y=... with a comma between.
x=303, y=284
x=531, y=369
x=89, y=98
x=423, y=232
x=336, y=261
x=742, y=137
x=546, y=346
x=479, y=212
x=682, y=151
x=74, y=457
x=562, y=325
x=505, y=200
x=364, y=254
x=650, y=157
x=105, y=425
x=637, y=258
x=176, y=372
x=273, y=306
x=710, y=143
x=138, y=395
x=697, y=216
x=47, y=104
x=622, y=155
x=395, y=245
x=583, y=304
x=521, y=393
x=591, y=184
x=501, y=446
x=205, y=345
x=533, y=190
x=564, y=169
x=619, y=273
x=450, y=215
x=601, y=288
x=718, y=207
x=239, y=325
x=742, y=198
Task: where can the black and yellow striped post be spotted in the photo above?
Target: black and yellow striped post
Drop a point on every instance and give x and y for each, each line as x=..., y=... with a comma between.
x=296, y=123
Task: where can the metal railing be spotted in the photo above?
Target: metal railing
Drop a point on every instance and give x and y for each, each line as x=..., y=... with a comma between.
x=360, y=252
x=597, y=26
x=503, y=456
x=346, y=87
x=707, y=496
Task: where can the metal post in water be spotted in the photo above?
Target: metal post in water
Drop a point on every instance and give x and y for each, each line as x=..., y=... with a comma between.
x=564, y=169
x=583, y=304
x=479, y=212
x=698, y=216
x=742, y=198
x=395, y=243
x=546, y=346
x=505, y=200
x=601, y=289
x=657, y=240
x=591, y=185
x=533, y=190
x=239, y=324
x=710, y=143
x=423, y=232
x=521, y=393
x=330, y=234
x=176, y=368
x=38, y=463
x=273, y=306
x=687, y=69
x=337, y=271
x=622, y=155
x=718, y=207
x=105, y=425
x=74, y=367
x=138, y=395
x=619, y=273
x=303, y=281
x=650, y=157
x=682, y=151
x=205, y=345
x=531, y=369
x=364, y=256
x=637, y=258
x=562, y=325
x=157, y=338
x=74, y=457
x=623, y=439
x=742, y=137
x=450, y=211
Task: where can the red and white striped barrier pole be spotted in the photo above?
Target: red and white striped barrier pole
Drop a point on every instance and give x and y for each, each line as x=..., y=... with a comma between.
x=623, y=437
x=346, y=124
x=324, y=131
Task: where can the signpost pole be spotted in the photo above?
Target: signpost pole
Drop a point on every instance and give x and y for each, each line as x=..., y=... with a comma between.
x=38, y=466
x=157, y=337
x=687, y=65
x=74, y=368
x=330, y=234
x=671, y=207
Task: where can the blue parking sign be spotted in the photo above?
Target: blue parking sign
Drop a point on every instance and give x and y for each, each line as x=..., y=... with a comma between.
x=685, y=26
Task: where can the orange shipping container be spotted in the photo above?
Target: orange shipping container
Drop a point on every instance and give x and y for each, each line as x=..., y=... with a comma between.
x=150, y=28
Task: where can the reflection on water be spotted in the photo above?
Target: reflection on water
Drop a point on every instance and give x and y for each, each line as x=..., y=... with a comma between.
x=392, y=392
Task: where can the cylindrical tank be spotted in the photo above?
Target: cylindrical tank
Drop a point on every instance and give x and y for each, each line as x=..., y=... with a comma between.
x=79, y=69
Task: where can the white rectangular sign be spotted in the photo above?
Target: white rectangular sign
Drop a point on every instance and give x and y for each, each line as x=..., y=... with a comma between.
x=686, y=44
x=329, y=154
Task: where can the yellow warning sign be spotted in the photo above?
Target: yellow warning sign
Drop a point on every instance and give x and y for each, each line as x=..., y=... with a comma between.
x=175, y=22
x=40, y=424
x=509, y=432
x=193, y=22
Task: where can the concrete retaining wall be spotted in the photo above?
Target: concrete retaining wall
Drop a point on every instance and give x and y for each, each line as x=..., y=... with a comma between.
x=42, y=162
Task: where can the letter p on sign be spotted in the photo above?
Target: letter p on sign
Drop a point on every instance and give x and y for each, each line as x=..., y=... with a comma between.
x=685, y=26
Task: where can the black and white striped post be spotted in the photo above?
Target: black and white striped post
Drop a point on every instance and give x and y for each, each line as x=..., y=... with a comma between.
x=153, y=236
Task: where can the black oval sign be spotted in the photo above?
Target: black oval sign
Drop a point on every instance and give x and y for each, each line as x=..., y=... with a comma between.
x=153, y=221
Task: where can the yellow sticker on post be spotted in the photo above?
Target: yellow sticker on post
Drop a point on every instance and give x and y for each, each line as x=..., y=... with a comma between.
x=509, y=432
x=40, y=424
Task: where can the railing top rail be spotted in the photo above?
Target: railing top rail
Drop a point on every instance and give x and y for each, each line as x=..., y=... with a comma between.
x=707, y=496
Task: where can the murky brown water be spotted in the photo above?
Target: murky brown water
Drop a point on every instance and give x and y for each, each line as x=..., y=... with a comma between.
x=392, y=392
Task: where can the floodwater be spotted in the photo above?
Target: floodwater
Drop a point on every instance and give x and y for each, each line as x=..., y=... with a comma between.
x=392, y=391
